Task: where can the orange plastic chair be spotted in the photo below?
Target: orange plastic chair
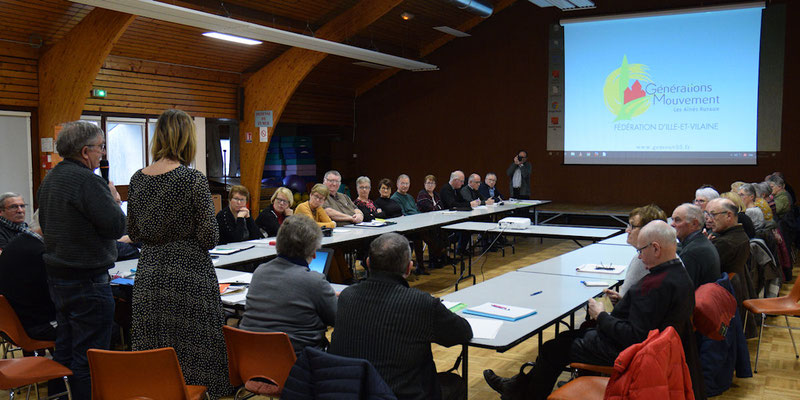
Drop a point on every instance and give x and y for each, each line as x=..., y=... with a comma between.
x=260, y=361
x=18, y=372
x=154, y=374
x=785, y=305
x=12, y=328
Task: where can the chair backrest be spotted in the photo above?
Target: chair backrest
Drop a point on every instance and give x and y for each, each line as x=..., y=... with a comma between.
x=136, y=374
x=795, y=293
x=258, y=354
x=12, y=327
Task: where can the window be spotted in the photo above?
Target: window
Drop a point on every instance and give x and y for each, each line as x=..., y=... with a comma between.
x=125, y=148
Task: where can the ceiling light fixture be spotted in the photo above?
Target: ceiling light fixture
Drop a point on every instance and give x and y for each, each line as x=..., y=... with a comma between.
x=406, y=16
x=184, y=16
x=450, y=31
x=231, y=38
x=565, y=5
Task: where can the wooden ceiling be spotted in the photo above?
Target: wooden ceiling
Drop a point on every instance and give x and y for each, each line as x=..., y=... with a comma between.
x=47, y=21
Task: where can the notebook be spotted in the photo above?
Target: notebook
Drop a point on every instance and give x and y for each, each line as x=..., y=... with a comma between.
x=500, y=311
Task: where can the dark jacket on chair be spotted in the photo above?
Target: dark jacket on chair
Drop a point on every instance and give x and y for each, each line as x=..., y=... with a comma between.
x=319, y=375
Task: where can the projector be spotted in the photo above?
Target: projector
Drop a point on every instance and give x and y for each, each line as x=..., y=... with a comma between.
x=514, y=223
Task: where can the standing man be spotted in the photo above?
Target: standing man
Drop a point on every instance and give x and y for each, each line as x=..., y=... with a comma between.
x=407, y=202
x=520, y=173
x=338, y=206
x=12, y=217
x=451, y=197
x=392, y=325
x=470, y=192
x=488, y=188
x=697, y=253
x=81, y=219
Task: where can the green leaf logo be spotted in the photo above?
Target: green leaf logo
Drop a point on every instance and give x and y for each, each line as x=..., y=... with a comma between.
x=622, y=99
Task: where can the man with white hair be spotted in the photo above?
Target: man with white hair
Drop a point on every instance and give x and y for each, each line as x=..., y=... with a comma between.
x=664, y=297
x=697, y=253
x=12, y=217
x=338, y=206
x=451, y=198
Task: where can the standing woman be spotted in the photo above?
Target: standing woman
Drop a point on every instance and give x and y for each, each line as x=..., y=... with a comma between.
x=428, y=199
x=271, y=218
x=235, y=223
x=176, y=295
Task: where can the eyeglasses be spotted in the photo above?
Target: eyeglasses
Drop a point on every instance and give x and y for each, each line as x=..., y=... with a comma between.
x=364, y=188
x=15, y=207
x=430, y=183
x=640, y=250
x=238, y=199
x=713, y=214
x=281, y=201
x=101, y=146
x=632, y=227
x=318, y=197
x=333, y=180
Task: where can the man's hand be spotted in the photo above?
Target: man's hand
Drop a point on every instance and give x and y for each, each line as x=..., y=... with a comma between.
x=489, y=202
x=517, y=160
x=114, y=192
x=125, y=239
x=243, y=213
x=475, y=203
x=595, y=308
x=357, y=218
x=613, y=296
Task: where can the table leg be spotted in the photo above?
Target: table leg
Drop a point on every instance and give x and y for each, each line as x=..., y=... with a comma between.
x=464, y=359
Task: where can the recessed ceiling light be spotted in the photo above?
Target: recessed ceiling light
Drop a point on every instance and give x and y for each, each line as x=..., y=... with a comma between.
x=406, y=16
x=231, y=38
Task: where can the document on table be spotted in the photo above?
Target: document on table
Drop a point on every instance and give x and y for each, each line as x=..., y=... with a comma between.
x=225, y=250
x=500, y=311
x=341, y=230
x=484, y=328
x=235, y=298
x=601, y=268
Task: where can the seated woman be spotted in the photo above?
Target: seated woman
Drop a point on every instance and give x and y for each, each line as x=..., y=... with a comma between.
x=748, y=194
x=763, y=192
x=389, y=207
x=271, y=218
x=428, y=199
x=313, y=207
x=363, y=186
x=235, y=223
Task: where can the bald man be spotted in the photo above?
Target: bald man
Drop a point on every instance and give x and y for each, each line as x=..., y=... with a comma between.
x=664, y=297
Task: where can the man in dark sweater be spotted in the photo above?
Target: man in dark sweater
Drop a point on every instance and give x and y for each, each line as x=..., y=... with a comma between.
x=697, y=253
x=12, y=217
x=470, y=192
x=81, y=221
x=450, y=193
x=391, y=325
x=664, y=297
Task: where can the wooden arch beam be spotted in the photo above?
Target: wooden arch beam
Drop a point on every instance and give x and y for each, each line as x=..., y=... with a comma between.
x=272, y=86
x=68, y=68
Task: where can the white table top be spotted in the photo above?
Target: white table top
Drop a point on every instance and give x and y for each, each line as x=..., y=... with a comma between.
x=567, y=232
x=560, y=296
x=566, y=264
x=619, y=240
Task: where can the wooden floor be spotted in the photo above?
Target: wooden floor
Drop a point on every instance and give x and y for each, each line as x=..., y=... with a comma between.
x=779, y=370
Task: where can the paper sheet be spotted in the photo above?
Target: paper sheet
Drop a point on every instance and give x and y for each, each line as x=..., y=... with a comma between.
x=484, y=328
x=340, y=230
x=235, y=298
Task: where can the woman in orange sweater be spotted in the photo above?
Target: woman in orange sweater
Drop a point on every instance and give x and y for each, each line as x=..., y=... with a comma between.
x=313, y=207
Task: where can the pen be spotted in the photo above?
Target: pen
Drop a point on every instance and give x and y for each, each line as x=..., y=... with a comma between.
x=501, y=307
x=604, y=268
x=535, y=293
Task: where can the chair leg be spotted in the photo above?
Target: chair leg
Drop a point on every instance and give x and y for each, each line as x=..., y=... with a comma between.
x=758, y=347
x=791, y=336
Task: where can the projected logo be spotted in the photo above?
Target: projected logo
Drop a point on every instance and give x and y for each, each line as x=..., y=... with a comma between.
x=624, y=99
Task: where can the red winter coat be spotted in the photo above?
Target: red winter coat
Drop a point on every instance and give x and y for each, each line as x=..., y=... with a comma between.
x=652, y=370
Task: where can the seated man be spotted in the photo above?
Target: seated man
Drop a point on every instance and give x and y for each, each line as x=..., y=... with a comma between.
x=451, y=197
x=488, y=189
x=23, y=281
x=12, y=217
x=471, y=193
x=285, y=296
x=338, y=206
x=664, y=297
x=697, y=253
x=392, y=326
x=407, y=202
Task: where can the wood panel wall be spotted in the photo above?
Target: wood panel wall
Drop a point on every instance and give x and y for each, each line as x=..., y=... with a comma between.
x=19, y=80
x=489, y=100
x=143, y=87
x=312, y=105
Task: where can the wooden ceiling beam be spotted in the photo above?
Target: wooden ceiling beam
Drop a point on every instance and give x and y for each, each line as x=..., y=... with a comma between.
x=68, y=68
x=431, y=47
x=271, y=87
